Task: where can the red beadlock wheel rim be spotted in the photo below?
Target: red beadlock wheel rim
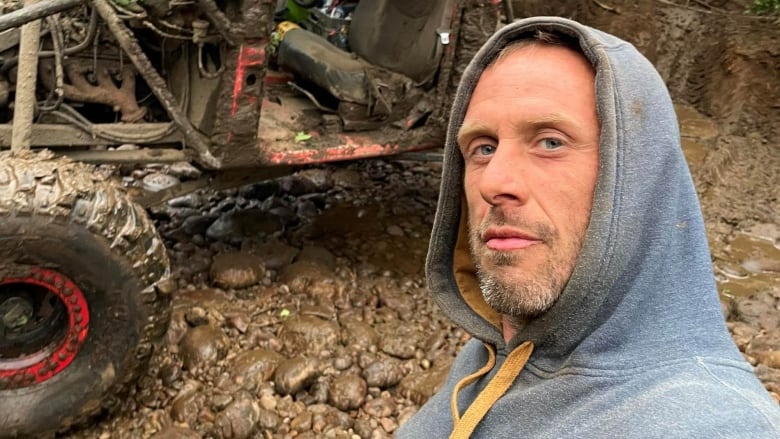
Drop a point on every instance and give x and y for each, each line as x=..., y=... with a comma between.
x=44, y=320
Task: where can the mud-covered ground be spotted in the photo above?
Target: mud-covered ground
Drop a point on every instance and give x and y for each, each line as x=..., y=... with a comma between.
x=302, y=311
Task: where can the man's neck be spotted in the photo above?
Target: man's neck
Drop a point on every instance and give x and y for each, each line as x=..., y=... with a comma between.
x=510, y=326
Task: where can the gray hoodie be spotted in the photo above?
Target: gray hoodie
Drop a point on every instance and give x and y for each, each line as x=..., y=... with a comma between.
x=636, y=345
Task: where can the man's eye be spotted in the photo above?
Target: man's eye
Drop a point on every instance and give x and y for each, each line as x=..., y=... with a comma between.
x=485, y=150
x=551, y=143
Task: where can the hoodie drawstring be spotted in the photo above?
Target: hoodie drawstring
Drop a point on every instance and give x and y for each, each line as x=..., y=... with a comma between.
x=513, y=365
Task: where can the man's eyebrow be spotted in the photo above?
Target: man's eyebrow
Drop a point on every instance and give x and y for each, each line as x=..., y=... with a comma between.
x=475, y=129
x=472, y=129
x=549, y=120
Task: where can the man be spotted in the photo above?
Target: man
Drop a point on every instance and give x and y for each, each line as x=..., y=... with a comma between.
x=569, y=242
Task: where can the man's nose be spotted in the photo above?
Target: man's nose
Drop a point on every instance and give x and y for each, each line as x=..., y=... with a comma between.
x=503, y=180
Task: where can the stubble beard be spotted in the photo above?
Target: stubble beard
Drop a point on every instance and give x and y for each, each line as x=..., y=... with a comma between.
x=526, y=292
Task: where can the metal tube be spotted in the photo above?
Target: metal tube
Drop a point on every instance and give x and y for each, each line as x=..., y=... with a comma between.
x=156, y=83
x=217, y=18
x=34, y=12
x=26, y=80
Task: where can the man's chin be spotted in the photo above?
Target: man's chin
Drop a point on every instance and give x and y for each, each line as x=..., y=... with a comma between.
x=496, y=260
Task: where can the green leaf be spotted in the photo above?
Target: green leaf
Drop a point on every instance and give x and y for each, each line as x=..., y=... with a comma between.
x=300, y=136
x=284, y=313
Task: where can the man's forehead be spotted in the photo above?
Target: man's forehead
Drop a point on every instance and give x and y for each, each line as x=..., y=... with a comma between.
x=528, y=49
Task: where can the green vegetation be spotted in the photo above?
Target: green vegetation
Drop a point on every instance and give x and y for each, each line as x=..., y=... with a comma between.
x=765, y=7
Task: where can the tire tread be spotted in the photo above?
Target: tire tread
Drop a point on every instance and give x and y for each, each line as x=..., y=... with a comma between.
x=68, y=192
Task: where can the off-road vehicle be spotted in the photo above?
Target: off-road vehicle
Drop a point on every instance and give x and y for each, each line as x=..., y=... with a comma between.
x=244, y=90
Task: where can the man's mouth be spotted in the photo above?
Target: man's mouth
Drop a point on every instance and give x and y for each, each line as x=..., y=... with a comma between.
x=505, y=239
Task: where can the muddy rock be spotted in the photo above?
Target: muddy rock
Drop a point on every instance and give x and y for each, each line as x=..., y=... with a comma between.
x=198, y=224
x=208, y=298
x=758, y=311
x=294, y=375
x=184, y=171
x=300, y=274
x=202, y=346
x=319, y=391
x=381, y=407
x=239, y=419
x=244, y=223
x=320, y=179
x=347, y=178
x=196, y=316
x=399, y=301
x=237, y=270
x=309, y=333
x=765, y=348
x=255, y=366
x=302, y=422
x=694, y=124
x=268, y=420
x=388, y=424
x=275, y=255
x=324, y=311
x=363, y=428
x=348, y=392
x=238, y=320
x=259, y=191
x=306, y=209
x=188, y=402
x=296, y=185
x=170, y=371
x=399, y=341
x=220, y=401
x=394, y=230
x=384, y=373
x=176, y=329
x=360, y=335
x=191, y=201
x=325, y=416
x=176, y=433
x=342, y=362
x=324, y=291
x=318, y=256
x=157, y=181
x=187, y=408
x=420, y=386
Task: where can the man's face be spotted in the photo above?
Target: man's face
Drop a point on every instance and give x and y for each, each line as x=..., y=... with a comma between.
x=530, y=143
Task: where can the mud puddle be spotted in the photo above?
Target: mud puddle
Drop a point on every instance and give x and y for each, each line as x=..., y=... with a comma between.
x=385, y=240
x=748, y=265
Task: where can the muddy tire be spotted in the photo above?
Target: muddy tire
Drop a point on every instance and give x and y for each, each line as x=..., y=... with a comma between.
x=79, y=309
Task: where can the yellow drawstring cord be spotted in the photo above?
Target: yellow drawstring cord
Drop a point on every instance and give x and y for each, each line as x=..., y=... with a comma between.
x=515, y=361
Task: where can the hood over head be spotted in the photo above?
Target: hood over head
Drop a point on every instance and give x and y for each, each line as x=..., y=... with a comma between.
x=642, y=287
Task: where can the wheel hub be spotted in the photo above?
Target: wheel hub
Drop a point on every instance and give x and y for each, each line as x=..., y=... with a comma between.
x=16, y=312
x=44, y=321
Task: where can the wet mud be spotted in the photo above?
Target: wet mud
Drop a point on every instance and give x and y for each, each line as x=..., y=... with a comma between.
x=313, y=321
